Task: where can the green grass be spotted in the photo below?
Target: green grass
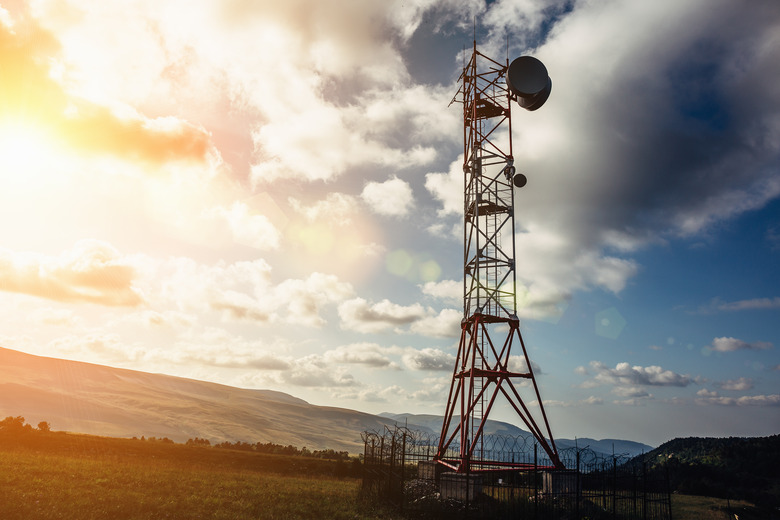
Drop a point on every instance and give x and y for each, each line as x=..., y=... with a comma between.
x=84, y=478
x=80, y=477
x=691, y=507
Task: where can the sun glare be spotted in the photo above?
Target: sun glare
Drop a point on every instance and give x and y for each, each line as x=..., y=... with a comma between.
x=26, y=153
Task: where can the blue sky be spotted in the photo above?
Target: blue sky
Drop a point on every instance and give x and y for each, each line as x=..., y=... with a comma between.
x=267, y=195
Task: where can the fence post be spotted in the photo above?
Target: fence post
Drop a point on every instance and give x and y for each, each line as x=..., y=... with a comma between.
x=668, y=491
x=633, y=491
x=403, y=470
x=536, y=482
x=644, y=490
x=577, y=490
x=614, y=486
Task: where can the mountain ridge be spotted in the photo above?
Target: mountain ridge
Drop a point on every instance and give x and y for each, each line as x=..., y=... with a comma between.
x=432, y=424
x=89, y=398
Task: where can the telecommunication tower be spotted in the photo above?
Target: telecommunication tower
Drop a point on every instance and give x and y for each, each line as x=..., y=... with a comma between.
x=490, y=329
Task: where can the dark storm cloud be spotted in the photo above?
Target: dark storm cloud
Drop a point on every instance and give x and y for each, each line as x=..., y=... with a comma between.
x=671, y=125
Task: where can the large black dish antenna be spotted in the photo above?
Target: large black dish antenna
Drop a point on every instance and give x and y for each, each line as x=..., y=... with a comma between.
x=528, y=80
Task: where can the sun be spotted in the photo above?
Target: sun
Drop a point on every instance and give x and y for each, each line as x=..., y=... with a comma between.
x=27, y=153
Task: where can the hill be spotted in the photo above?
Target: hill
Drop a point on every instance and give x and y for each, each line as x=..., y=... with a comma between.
x=87, y=398
x=734, y=467
x=100, y=400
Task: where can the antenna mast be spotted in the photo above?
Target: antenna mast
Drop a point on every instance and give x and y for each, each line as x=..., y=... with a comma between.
x=484, y=368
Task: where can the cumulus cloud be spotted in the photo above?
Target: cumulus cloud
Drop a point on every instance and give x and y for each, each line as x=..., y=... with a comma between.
x=627, y=376
x=253, y=230
x=372, y=395
x=445, y=324
x=392, y=198
x=447, y=290
x=92, y=271
x=368, y=354
x=747, y=400
x=633, y=392
x=741, y=384
x=305, y=298
x=313, y=371
x=237, y=357
x=360, y=315
x=239, y=306
x=244, y=291
x=336, y=208
x=728, y=344
x=569, y=404
x=447, y=188
x=429, y=359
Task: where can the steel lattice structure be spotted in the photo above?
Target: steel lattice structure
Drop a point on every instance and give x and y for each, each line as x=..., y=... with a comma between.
x=485, y=368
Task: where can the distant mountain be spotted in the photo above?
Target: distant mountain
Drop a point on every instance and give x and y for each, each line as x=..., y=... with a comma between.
x=432, y=424
x=86, y=398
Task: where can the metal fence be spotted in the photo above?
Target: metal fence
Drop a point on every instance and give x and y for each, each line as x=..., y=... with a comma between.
x=399, y=469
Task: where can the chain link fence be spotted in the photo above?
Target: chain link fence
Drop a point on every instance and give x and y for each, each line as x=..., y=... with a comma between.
x=399, y=469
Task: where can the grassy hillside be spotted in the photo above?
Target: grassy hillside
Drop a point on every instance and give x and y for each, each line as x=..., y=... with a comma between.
x=734, y=467
x=54, y=475
x=100, y=400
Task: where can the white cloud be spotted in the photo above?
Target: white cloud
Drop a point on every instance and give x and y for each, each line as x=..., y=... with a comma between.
x=630, y=391
x=432, y=389
x=447, y=290
x=627, y=376
x=239, y=306
x=728, y=344
x=369, y=354
x=446, y=324
x=244, y=291
x=313, y=371
x=247, y=229
x=336, y=208
x=429, y=359
x=359, y=315
x=447, y=188
x=92, y=271
x=393, y=197
x=741, y=384
x=748, y=400
x=518, y=364
x=304, y=298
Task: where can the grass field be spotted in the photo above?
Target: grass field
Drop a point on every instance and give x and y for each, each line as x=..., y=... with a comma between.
x=690, y=507
x=82, y=477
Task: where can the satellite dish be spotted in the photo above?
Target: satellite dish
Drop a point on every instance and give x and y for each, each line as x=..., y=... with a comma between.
x=528, y=80
x=519, y=180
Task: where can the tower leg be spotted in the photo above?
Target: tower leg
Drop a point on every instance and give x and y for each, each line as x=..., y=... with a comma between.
x=481, y=374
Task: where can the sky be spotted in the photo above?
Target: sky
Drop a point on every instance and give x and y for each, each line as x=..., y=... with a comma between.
x=268, y=195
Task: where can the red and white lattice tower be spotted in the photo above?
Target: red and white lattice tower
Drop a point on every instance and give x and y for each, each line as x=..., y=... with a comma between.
x=486, y=369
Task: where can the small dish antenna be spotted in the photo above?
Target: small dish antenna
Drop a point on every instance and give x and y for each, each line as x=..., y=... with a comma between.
x=527, y=79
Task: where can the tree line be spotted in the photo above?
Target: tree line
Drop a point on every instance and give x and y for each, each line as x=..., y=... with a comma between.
x=733, y=467
x=272, y=448
x=17, y=426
